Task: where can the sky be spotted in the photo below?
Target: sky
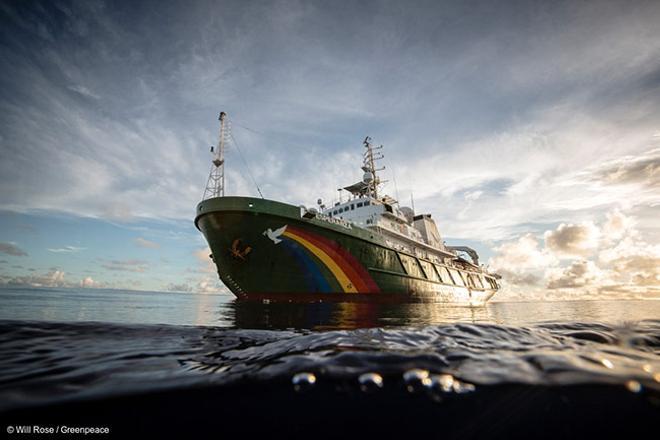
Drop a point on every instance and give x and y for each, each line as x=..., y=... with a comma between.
x=529, y=130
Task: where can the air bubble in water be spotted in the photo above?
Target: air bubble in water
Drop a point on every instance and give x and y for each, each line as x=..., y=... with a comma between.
x=370, y=382
x=634, y=386
x=303, y=381
x=416, y=380
x=462, y=387
x=442, y=383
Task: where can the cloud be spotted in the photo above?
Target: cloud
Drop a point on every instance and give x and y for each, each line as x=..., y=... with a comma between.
x=208, y=282
x=125, y=265
x=523, y=253
x=620, y=264
x=641, y=169
x=144, y=243
x=12, y=249
x=204, y=260
x=89, y=283
x=521, y=262
x=499, y=134
x=571, y=241
x=183, y=287
x=84, y=91
x=579, y=274
x=67, y=249
x=617, y=226
x=517, y=105
x=49, y=279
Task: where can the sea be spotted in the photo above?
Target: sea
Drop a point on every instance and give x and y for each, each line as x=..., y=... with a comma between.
x=97, y=363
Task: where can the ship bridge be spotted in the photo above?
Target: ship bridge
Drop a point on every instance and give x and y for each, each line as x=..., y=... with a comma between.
x=369, y=209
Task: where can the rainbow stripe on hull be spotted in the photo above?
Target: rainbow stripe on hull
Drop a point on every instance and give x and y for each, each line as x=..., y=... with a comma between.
x=322, y=256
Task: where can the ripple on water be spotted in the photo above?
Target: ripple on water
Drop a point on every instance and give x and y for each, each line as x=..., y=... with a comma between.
x=83, y=359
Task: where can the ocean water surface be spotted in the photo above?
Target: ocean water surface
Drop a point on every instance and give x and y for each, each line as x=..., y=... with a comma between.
x=180, y=363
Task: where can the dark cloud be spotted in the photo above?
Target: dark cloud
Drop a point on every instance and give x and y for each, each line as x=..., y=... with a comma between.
x=183, y=287
x=12, y=249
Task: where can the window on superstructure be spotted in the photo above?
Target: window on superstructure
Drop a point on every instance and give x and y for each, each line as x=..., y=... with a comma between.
x=359, y=205
x=458, y=280
x=334, y=212
x=366, y=203
x=352, y=206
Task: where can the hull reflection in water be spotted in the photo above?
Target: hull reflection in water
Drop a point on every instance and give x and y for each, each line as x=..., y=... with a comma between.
x=347, y=315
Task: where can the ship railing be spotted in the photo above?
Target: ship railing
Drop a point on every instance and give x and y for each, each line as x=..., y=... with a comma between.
x=313, y=213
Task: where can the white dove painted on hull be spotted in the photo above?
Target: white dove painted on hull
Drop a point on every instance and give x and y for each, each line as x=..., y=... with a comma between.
x=274, y=235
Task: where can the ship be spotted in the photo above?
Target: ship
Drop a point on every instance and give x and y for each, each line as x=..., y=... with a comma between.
x=364, y=248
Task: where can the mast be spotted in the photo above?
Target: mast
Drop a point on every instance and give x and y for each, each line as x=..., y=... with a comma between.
x=215, y=186
x=369, y=167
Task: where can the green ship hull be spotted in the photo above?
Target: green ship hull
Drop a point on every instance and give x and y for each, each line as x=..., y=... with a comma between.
x=265, y=249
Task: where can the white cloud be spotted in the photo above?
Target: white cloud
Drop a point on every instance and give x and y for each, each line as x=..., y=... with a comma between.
x=89, y=283
x=84, y=91
x=144, y=243
x=54, y=278
x=621, y=264
x=66, y=249
x=131, y=265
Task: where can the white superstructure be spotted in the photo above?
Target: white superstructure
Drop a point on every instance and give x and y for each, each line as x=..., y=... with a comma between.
x=401, y=228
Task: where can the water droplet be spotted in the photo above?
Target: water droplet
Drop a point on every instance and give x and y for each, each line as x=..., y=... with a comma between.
x=370, y=382
x=303, y=381
x=647, y=368
x=607, y=363
x=634, y=386
x=462, y=387
x=442, y=383
x=416, y=380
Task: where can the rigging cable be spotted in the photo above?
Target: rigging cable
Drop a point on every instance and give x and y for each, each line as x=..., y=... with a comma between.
x=247, y=167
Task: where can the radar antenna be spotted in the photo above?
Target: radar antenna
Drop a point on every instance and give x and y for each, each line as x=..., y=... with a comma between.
x=215, y=186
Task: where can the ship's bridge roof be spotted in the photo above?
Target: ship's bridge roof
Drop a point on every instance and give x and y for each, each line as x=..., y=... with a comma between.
x=358, y=189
